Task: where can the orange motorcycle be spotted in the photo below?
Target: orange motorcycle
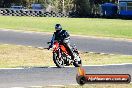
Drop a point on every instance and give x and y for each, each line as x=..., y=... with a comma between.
x=62, y=57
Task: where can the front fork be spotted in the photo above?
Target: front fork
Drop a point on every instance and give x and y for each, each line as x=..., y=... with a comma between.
x=59, y=54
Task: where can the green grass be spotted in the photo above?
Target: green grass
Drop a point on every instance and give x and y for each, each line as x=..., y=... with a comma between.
x=82, y=26
x=98, y=59
x=12, y=56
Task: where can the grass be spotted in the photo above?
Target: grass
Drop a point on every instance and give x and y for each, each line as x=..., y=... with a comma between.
x=17, y=56
x=22, y=56
x=83, y=26
x=96, y=86
x=98, y=59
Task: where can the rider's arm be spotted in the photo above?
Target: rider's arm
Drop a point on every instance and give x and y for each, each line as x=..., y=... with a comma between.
x=52, y=40
x=67, y=37
x=67, y=34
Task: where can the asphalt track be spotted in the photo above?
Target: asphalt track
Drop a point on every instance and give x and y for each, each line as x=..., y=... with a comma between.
x=43, y=76
x=83, y=43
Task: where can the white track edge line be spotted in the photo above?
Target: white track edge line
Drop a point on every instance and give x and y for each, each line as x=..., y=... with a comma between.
x=110, y=64
x=73, y=66
x=11, y=68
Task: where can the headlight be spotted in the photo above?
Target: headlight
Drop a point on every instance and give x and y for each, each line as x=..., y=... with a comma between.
x=54, y=46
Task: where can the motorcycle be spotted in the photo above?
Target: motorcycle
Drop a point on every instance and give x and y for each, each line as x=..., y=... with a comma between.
x=62, y=57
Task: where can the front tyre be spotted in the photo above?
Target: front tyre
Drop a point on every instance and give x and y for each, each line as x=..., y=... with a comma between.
x=58, y=61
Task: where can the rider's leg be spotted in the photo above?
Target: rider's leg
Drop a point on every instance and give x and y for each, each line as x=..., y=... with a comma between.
x=68, y=46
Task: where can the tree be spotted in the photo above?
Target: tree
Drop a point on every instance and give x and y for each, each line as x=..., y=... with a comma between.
x=83, y=7
x=1, y=3
x=5, y=3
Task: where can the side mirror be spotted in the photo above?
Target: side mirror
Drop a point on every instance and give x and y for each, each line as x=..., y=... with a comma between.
x=48, y=42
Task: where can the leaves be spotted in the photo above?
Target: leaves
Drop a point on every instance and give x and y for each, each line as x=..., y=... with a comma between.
x=83, y=7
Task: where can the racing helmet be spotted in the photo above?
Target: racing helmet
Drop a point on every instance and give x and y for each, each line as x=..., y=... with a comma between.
x=58, y=27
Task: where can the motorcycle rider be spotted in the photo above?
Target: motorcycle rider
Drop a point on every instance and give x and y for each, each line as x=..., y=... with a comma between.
x=63, y=37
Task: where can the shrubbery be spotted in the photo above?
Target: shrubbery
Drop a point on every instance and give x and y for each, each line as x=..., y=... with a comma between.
x=81, y=7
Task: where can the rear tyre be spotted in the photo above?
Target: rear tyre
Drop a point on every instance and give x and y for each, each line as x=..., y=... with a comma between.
x=78, y=61
x=58, y=61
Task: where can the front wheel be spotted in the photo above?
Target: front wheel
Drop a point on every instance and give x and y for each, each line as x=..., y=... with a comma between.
x=58, y=61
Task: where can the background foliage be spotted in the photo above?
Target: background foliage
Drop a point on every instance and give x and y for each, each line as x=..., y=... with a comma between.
x=82, y=7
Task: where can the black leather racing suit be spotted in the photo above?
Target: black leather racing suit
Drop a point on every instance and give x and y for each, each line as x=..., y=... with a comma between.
x=63, y=37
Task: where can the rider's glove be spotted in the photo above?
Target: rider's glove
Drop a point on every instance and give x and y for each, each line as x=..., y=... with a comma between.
x=50, y=47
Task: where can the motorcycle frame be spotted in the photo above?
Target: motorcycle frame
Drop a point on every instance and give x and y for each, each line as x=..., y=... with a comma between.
x=57, y=46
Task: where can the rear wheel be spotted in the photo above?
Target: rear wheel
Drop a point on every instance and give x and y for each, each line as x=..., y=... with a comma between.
x=58, y=61
x=77, y=62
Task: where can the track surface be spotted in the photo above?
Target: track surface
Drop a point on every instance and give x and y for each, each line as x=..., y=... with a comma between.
x=83, y=43
x=43, y=76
